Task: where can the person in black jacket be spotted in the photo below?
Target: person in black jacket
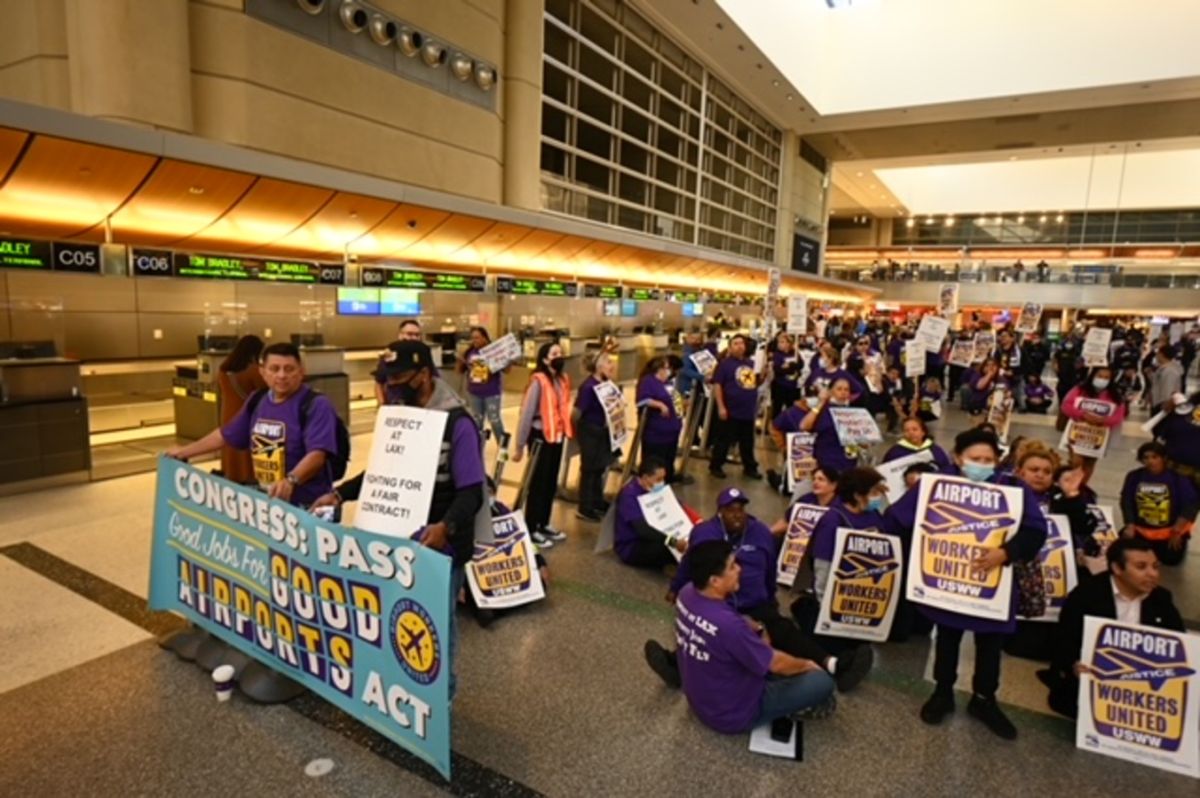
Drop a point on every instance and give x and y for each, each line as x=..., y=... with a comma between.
x=1131, y=594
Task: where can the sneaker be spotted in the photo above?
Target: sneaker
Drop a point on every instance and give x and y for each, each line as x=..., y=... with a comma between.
x=988, y=711
x=820, y=711
x=939, y=705
x=853, y=665
x=774, y=479
x=540, y=539
x=716, y=472
x=663, y=663
x=554, y=534
x=589, y=515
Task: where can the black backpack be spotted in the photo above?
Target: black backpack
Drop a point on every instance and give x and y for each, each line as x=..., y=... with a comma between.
x=337, y=461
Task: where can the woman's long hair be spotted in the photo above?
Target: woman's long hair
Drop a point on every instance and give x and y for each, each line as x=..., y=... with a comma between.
x=245, y=353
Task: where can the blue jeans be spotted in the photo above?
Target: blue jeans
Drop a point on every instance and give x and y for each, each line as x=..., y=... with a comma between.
x=790, y=694
x=487, y=408
x=458, y=575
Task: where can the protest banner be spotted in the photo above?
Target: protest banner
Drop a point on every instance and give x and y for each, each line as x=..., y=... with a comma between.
x=860, y=599
x=360, y=619
x=962, y=353
x=705, y=362
x=1106, y=528
x=1139, y=699
x=956, y=521
x=663, y=511
x=1057, y=559
x=893, y=472
x=797, y=318
x=855, y=426
x=1031, y=316
x=398, y=484
x=802, y=519
x=914, y=358
x=613, y=401
x=1087, y=440
x=1000, y=407
x=501, y=353
x=503, y=573
x=774, y=280
x=947, y=299
x=932, y=332
x=801, y=460
x=985, y=342
x=1095, y=347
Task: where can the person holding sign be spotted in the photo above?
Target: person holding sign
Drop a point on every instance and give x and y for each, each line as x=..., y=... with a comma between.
x=976, y=453
x=483, y=385
x=664, y=413
x=785, y=368
x=595, y=443
x=735, y=390
x=828, y=448
x=1159, y=505
x=409, y=330
x=1097, y=403
x=979, y=384
x=1038, y=396
x=1131, y=594
x=636, y=542
x=546, y=420
x=827, y=371
x=916, y=439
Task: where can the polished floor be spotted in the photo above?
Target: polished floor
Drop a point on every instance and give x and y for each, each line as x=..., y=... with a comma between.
x=554, y=699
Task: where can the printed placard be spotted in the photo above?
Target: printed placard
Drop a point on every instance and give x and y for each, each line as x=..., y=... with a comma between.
x=1140, y=697
x=855, y=426
x=1095, y=347
x=802, y=519
x=1030, y=318
x=1088, y=440
x=860, y=599
x=932, y=332
x=797, y=318
x=398, y=485
x=957, y=520
x=356, y=617
x=501, y=353
x=705, y=362
x=1000, y=412
x=914, y=358
x=893, y=472
x=774, y=280
x=612, y=399
x=962, y=353
x=1106, y=528
x=503, y=573
x=947, y=299
x=801, y=460
x=985, y=343
x=1057, y=559
x=663, y=511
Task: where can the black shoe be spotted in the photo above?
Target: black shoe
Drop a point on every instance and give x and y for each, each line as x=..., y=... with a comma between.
x=683, y=479
x=589, y=515
x=751, y=475
x=663, y=663
x=774, y=479
x=604, y=505
x=853, y=665
x=988, y=711
x=484, y=617
x=716, y=472
x=939, y=705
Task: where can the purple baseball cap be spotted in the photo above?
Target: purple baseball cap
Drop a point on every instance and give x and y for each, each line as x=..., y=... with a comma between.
x=731, y=495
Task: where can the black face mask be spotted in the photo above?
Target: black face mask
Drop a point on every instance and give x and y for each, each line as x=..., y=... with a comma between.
x=556, y=364
x=410, y=394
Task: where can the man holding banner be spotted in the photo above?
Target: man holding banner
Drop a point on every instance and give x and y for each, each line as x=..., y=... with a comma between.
x=636, y=542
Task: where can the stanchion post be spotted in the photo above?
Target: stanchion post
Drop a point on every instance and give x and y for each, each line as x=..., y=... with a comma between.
x=534, y=452
x=691, y=425
x=634, y=447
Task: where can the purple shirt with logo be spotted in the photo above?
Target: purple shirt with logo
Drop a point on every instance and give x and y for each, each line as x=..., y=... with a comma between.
x=724, y=664
x=824, y=534
x=789, y=420
x=739, y=385
x=481, y=381
x=662, y=429
x=756, y=551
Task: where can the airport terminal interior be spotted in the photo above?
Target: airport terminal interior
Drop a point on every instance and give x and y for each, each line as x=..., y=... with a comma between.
x=1012, y=188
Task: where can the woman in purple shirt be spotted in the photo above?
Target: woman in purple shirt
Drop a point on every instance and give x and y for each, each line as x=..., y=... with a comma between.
x=916, y=439
x=664, y=422
x=979, y=385
x=828, y=369
x=828, y=448
x=785, y=367
x=595, y=445
x=483, y=386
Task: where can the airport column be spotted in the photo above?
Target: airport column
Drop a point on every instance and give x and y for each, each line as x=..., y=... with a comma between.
x=786, y=212
x=522, y=76
x=129, y=60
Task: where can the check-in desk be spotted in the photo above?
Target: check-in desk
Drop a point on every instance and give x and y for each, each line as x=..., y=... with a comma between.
x=43, y=423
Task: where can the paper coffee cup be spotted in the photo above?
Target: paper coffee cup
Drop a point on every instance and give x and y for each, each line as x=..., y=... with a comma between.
x=222, y=678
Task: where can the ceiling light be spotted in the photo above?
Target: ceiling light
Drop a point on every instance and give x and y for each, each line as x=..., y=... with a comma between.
x=383, y=30
x=1021, y=219
x=354, y=16
x=949, y=221
x=1042, y=220
x=1059, y=219
x=909, y=222
x=196, y=190
x=460, y=67
x=409, y=41
x=1012, y=157
x=999, y=220
x=790, y=97
x=485, y=76
x=929, y=220
x=313, y=7
x=775, y=83
x=433, y=54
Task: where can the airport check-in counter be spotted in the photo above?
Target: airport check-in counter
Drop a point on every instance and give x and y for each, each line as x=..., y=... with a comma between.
x=43, y=422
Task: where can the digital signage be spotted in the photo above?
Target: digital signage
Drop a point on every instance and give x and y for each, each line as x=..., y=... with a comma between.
x=422, y=281
x=399, y=302
x=358, y=301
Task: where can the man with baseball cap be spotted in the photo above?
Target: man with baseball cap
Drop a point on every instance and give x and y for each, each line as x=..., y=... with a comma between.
x=407, y=369
x=756, y=551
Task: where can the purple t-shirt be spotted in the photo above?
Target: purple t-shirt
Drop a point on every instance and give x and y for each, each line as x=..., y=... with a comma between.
x=466, y=464
x=828, y=449
x=481, y=381
x=756, y=551
x=629, y=512
x=904, y=449
x=789, y=420
x=661, y=429
x=824, y=534
x=591, y=412
x=1038, y=393
x=277, y=443
x=825, y=379
x=724, y=664
x=740, y=386
x=1180, y=433
x=781, y=361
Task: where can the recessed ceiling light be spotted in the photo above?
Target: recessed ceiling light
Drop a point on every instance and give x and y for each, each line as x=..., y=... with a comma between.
x=1043, y=219
x=774, y=82
x=1021, y=219
x=720, y=26
x=789, y=97
x=860, y=174
x=910, y=222
x=1012, y=157
x=872, y=185
x=197, y=190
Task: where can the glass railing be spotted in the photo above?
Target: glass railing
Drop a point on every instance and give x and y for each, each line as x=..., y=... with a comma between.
x=1114, y=276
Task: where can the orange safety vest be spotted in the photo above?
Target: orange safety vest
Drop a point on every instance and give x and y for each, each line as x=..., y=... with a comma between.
x=555, y=408
x=1159, y=533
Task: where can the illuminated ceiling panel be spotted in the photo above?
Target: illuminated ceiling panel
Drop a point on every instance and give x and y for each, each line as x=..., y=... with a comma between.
x=343, y=220
x=399, y=230
x=11, y=142
x=177, y=201
x=270, y=210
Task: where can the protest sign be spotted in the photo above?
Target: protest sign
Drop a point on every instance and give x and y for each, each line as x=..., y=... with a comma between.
x=893, y=472
x=1095, y=347
x=774, y=280
x=962, y=353
x=398, y=485
x=947, y=299
x=358, y=618
x=1106, y=528
x=801, y=461
x=914, y=358
x=613, y=401
x=797, y=318
x=1000, y=407
x=860, y=599
x=705, y=362
x=1140, y=697
x=985, y=342
x=503, y=573
x=855, y=426
x=1031, y=316
x=956, y=521
x=802, y=519
x=500, y=353
x=1057, y=559
x=663, y=511
x=1087, y=440
x=932, y=332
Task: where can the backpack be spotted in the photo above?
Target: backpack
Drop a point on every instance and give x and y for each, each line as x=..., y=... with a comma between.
x=337, y=461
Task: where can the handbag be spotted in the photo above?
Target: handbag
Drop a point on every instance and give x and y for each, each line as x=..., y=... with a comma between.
x=1031, y=589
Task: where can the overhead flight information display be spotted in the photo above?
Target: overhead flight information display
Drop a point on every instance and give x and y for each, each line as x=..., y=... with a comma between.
x=520, y=285
x=377, y=276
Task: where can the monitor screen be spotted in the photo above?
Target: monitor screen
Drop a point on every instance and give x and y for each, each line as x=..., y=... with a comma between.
x=629, y=307
x=358, y=301
x=692, y=309
x=399, y=302
x=612, y=307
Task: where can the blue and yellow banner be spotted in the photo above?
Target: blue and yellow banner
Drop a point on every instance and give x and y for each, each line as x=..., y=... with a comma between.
x=360, y=619
x=860, y=598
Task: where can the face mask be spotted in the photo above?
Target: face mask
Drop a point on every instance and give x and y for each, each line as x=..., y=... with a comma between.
x=658, y=487
x=1100, y=384
x=978, y=472
x=875, y=503
x=556, y=364
x=409, y=393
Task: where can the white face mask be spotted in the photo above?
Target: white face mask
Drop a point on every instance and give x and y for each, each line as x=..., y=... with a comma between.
x=1100, y=383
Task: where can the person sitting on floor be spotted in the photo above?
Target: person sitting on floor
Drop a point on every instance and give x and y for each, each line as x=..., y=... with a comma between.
x=1038, y=396
x=1159, y=505
x=1130, y=595
x=733, y=678
x=635, y=541
x=916, y=438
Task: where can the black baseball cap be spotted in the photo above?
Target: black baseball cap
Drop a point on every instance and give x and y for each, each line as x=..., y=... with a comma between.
x=402, y=357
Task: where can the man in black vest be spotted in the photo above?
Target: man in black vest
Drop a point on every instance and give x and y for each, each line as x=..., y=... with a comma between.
x=1129, y=594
